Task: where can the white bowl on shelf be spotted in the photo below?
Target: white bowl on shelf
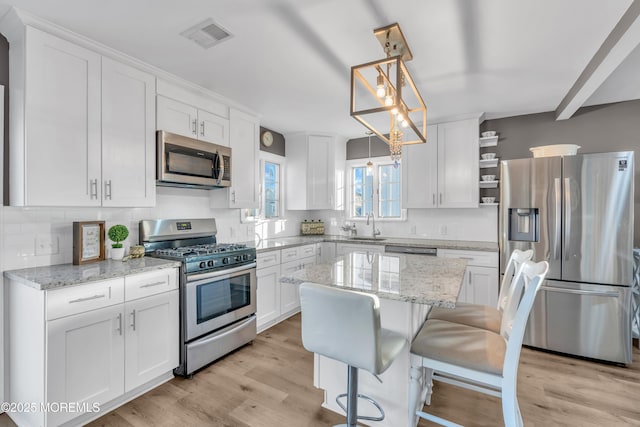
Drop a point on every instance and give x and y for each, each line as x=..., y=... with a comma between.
x=488, y=200
x=488, y=178
x=488, y=156
x=555, y=150
x=488, y=133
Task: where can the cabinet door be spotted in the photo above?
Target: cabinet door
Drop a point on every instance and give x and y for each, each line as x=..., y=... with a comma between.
x=212, y=128
x=319, y=170
x=62, y=123
x=243, y=132
x=177, y=117
x=128, y=136
x=326, y=252
x=420, y=172
x=152, y=335
x=85, y=359
x=458, y=154
x=483, y=285
x=268, y=295
x=289, y=292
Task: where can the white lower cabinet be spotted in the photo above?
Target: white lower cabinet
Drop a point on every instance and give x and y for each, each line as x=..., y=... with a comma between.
x=277, y=301
x=100, y=343
x=481, y=280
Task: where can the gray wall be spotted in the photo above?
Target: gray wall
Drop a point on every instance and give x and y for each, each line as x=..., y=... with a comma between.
x=603, y=128
x=358, y=148
x=278, y=142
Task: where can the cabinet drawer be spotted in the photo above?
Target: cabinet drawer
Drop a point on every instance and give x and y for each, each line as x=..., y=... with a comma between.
x=307, y=251
x=82, y=298
x=268, y=259
x=289, y=254
x=289, y=267
x=479, y=258
x=151, y=283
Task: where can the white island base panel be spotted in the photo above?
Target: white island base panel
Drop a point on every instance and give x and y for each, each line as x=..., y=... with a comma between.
x=393, y=393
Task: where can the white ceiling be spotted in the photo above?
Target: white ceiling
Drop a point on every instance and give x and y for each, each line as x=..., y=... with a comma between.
x=290, y=60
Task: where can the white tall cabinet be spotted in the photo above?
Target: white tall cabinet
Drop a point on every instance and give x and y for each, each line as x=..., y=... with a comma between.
x=245, y=134
x=315, y=175
x=82, y=125
x=443, y=173
x=188, y=120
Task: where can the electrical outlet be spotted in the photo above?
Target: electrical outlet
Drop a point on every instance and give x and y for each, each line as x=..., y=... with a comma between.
x=443, y=230
x=47, y=244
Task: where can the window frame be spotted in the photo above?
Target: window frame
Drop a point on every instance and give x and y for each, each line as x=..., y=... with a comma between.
x=377, y=162
x=246, y=214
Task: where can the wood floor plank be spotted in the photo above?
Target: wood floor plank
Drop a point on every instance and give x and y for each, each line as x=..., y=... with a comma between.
x=270, y=384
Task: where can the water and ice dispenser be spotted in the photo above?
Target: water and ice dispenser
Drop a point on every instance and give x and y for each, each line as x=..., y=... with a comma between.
x=524, y=224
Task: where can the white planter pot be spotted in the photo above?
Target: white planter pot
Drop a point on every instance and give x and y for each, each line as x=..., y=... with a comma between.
x=117, y=254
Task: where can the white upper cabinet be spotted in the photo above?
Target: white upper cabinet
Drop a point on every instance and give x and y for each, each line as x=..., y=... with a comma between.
x=311, y=172
x=86, y=137
x=458, y=154
x=443, y=173
x=128, y=136
x=187, y=120
x=55, y=146
x=420, y=172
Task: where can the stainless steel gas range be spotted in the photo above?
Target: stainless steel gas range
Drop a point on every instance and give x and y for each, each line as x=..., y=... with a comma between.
x=217, y=288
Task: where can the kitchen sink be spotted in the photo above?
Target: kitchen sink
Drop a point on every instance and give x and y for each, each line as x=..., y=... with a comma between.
x=369, y=239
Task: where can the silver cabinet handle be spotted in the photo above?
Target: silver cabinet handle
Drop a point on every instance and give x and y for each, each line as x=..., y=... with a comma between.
x=149, y=285
x=107, y=189
x=233, y=196
x=567, y=218
x=202, y=128
x=612, y=294
x=133, y=320
x=556, y=247
x=93, y=189
x=96, y=296
x=434, y=199
x=440, y=198
x=119, y=328
x=194, y=129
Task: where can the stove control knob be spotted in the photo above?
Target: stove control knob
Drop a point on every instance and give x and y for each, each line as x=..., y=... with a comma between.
x=203, y=264
x=225, y=260
x=245, y=257
x=238, y=258
x=210, y=263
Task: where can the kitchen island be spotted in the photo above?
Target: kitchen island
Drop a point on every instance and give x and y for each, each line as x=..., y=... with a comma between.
x=407, y=286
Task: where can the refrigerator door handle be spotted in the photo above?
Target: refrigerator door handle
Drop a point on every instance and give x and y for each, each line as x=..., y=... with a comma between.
x=612, y=294
x=556, y=246
x=567, y=217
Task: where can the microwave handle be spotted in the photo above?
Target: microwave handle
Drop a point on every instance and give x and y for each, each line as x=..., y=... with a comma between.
x=220, y=167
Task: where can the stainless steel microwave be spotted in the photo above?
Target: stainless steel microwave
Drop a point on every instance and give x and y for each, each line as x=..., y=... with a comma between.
x=188, y=162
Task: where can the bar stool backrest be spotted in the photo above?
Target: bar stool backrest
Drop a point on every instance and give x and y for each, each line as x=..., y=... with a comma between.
x=515, y=260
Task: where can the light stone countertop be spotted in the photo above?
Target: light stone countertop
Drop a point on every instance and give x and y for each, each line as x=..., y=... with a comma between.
x=62, y=275
x=287, y=242
x=411, y=278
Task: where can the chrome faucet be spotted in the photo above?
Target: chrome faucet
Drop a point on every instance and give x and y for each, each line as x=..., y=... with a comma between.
x=374, y=231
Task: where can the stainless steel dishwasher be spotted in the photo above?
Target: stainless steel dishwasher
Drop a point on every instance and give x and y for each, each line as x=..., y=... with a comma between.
x=411, y=250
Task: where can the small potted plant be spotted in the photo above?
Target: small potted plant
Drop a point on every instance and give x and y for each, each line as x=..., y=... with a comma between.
x=118, y=233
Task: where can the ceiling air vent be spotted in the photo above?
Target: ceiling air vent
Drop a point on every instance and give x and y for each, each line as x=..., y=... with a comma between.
x=207, y=33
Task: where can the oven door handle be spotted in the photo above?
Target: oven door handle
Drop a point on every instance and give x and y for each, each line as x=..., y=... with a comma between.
x=222, y=274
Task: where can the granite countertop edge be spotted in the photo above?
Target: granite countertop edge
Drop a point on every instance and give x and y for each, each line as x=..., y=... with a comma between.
x=64, y=275
x=274, y=244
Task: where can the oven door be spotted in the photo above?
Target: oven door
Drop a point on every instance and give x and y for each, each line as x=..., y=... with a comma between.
x=214, y=300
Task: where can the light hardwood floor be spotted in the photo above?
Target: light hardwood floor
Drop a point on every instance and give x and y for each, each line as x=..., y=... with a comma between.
x=269, y=384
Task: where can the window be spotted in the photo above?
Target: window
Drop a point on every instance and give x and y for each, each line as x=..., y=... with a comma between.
x=271, y=200
x=377, y=190
x=271, y=186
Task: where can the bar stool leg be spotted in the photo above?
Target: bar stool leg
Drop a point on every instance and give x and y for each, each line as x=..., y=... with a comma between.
x=352, y=398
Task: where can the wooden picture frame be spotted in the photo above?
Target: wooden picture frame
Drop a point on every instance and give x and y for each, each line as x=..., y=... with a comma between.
x=88, y=242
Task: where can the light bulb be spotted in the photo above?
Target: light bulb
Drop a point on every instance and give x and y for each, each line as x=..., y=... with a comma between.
x=394, y=111
x=388, y=100
x=400, y=117
x=405, y=123
x=369, y=167
x=380, y=85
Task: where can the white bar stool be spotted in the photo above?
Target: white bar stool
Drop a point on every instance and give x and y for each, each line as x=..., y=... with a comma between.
x=345, y=326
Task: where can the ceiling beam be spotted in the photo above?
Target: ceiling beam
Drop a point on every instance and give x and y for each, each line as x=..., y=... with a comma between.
x=622, y=40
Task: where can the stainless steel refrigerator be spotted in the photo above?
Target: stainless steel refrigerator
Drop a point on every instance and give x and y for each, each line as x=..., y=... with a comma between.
x=576, y=212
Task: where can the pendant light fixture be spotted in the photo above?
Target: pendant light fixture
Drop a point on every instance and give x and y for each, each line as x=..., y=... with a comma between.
x=384, y=97
x=369, y=163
